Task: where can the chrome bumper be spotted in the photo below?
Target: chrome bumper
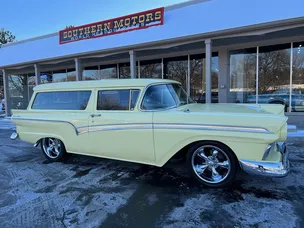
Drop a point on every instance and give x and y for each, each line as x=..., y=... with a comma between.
x=271, y=169
x=14, y=135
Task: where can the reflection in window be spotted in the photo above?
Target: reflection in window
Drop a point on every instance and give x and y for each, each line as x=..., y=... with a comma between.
x=62, y=100
x=20, y=89
x=1, y=89
x=31, y=81
x=242, y=76
x=198, y=78
x=59, y=76
x=71, y=75
x=113, y=100
x=298, y=78
x=124, y=70
x=46, y=77
x=90, y=73
x=177, y=69
x=109, y=71
x=151, y=69
x=274, y=74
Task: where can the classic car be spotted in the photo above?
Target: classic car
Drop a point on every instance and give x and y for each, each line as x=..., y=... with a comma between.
x=150, y=121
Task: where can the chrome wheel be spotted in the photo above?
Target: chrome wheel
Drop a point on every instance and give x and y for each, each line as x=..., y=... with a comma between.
x=51, y=147
x=211, y=164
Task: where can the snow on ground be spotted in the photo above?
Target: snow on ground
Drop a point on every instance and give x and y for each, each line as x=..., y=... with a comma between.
x=85, y=191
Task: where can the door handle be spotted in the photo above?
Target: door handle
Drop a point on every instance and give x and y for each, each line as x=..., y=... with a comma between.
x=95, y=115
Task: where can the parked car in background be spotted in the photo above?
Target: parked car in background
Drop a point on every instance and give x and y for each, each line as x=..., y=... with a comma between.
x=151, y=121
x=282, y=97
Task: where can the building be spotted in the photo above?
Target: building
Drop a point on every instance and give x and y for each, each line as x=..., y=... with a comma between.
x=244, y=51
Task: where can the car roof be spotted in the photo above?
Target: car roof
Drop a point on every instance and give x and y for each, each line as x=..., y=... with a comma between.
x=105, y=83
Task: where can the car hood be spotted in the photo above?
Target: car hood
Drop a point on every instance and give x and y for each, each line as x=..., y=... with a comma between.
x=269, y=116
x=235, y=108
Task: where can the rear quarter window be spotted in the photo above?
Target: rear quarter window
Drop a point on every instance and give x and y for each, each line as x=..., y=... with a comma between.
x=62, y=100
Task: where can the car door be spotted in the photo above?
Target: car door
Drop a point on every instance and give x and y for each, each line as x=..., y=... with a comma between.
x=118, y=129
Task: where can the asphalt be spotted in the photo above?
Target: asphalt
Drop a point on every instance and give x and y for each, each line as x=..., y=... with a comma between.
x=85, y=191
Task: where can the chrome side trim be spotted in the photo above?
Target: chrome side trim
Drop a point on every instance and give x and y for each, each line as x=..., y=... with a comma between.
x=130, y=126
x=117, y=127
x=177, y=126
x=83, y=130
x=271, y=169
x=211, y=127
x=52, y=121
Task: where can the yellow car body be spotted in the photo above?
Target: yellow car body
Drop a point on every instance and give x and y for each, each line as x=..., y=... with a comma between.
x=255, y=133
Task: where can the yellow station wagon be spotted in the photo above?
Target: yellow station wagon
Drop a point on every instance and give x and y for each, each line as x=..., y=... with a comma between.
x=149, y=121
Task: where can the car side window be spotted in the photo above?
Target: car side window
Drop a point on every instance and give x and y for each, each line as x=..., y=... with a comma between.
x=117, y=99
x=158, y=97
x=62, y=100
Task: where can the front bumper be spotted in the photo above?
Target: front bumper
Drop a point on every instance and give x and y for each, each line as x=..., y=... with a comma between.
x=271, y=169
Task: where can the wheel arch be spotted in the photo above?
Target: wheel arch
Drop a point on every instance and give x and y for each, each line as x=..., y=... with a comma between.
x=182, y=152
x=38, y=142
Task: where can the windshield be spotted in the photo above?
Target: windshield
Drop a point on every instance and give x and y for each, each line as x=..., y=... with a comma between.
x=179, y=94
x=165, y=96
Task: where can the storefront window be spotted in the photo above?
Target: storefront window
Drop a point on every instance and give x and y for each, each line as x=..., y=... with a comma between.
x=124, y=70
x=71, y=75
x=46, y=77
x=1, y=89
x=274, y=74
x=20, y=90
x=176, y=69
x=243, y=76
x=90, y=73
x=151, y=69
x=108, y=71
x=297, y=98
x=59, y=76
x=31, y=81
x=198, y=78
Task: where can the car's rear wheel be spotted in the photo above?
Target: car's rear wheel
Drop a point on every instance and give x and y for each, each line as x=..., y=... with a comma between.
x=53, y=149
x=213, y=164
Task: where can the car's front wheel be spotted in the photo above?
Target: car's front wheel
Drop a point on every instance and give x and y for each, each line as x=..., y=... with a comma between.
x=213, y=164
x=53, y=149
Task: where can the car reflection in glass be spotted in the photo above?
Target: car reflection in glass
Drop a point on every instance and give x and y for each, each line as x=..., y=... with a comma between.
x=281, y=96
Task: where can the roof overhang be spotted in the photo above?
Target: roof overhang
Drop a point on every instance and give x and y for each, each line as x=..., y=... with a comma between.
x=124, y=42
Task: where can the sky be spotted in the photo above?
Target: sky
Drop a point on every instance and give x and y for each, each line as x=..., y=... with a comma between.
x=31, y=18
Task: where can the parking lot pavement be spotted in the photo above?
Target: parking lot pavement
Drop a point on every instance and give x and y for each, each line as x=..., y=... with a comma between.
x=6, y=124
x=92, y=192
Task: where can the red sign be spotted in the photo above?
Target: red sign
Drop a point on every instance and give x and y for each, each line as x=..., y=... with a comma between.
x=127, y=23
